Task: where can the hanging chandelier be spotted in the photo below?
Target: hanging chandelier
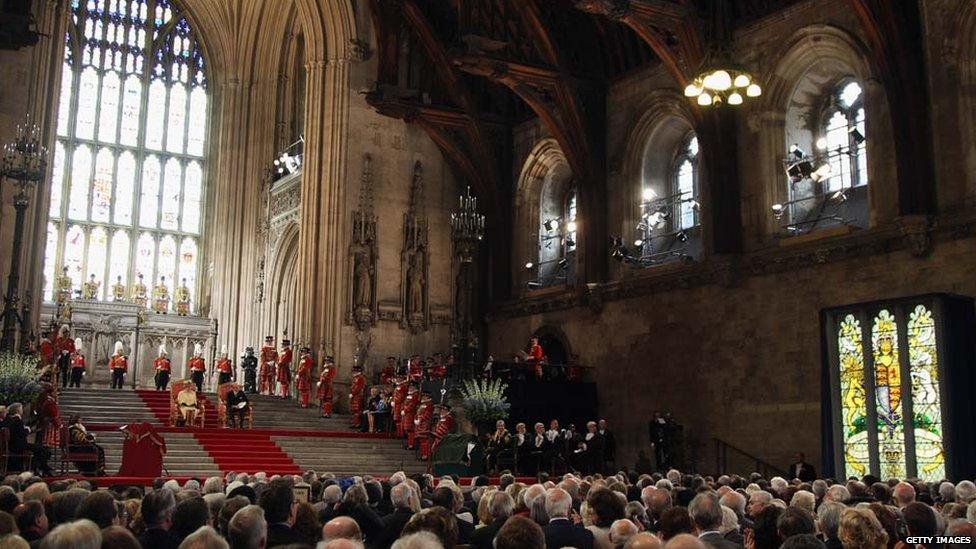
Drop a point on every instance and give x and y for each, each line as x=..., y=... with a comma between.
x=720, y=79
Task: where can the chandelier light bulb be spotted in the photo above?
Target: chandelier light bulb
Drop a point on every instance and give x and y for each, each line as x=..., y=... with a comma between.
x=692, y=90
x=741, y=81
x=704, y=99
x=753, y=90
x=721, y=80
x=735, y=99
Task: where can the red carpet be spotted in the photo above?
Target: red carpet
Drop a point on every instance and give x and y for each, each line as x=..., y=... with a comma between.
x=266, y=432
x=159, y=403
x=236, y=450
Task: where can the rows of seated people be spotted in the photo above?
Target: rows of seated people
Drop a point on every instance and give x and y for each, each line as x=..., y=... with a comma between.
x=553, y=450
x=627, y=511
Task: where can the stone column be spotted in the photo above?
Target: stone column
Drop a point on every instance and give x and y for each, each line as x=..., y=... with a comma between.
x=321, y=257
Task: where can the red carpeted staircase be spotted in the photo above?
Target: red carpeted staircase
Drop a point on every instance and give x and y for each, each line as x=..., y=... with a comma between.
x=159, y=403
x=237, y=450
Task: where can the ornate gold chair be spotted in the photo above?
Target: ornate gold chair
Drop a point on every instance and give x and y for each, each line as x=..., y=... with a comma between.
x=222, y=413
x=176, y=416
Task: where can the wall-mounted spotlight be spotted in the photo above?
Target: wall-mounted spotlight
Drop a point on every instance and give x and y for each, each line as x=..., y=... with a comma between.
x=778, y=210
x=821, y=173
x=571, y=226
x=856, y=135
x=681, y=236
x=796, y=151
x=529, y=265
x=822, y=144
x=551, y=224
x=799, y=171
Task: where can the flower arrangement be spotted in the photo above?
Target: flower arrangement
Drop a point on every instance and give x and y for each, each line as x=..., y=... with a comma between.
x=18, y=379
x=484, y=400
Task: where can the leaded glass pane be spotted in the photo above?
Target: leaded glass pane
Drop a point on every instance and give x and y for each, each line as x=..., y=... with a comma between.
x=124, y=189
x=191, y=198
x=131, y=104
x=149, y=203
x=97, y=254
x=166, y=265
x=57, y=181
x=837, y=143
x=64, y=102
x=102, y=186
x=109, y=107
x=188, y=265
x=119, y=261
x=853, y=398
x=80, y=179
x=50, y=256
x=87, y=104
x=74, y=254
x=197, y=122
x=923, y=357
x=155, y=115
x=177, y=119
x=887, y=383
x=686, y=190
x=146, y=258
x=171, y=195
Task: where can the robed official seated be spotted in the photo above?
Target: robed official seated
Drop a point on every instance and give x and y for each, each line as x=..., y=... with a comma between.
x=185, y=407
x=87, y=455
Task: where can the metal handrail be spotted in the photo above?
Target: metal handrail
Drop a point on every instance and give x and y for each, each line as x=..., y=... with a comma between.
x=763, y=467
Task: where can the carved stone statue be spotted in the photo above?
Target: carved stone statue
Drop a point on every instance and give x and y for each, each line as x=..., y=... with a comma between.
x=104, y=335
x=416, y=280
x=140, y=294
x=89, y=290
x=160, y=296
x=364, y=275
x=118, y=290
x=182, y=296
x=62, y=287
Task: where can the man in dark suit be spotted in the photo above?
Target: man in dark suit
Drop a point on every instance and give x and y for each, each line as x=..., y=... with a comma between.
x=500, y=507
x=446, y=497
x=280, y=505
x=561, y=532
x=539, y=452
x=706, y=513
x=18, y=444
x=393, y=523
x=593, y=455
x=237, y=407
x=802, y=470
x=157, y=512
x=609, y=447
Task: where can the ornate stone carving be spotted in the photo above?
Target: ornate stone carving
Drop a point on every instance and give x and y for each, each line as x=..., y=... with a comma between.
x=916, y=231
x=361, y=309
x=415, y=259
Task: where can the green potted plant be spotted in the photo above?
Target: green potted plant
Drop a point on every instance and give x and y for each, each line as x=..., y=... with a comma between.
x=485, y=403
x=18, y=379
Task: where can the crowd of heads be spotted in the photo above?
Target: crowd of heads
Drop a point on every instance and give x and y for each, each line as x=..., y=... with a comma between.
x=625, y=511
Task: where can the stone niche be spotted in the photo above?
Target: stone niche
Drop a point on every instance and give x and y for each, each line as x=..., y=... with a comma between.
x=100, y=324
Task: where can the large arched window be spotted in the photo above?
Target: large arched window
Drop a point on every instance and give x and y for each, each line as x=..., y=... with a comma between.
x=129, y=167
x=842, y=138
x=685, y=191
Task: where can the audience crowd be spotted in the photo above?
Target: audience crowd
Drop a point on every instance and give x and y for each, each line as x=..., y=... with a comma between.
x=622, y=511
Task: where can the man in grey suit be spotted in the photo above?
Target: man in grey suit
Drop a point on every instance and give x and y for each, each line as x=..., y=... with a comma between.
x=561, y=532
x=706, y=513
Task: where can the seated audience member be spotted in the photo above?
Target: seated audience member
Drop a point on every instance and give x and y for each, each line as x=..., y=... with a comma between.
x=204, y=537
x=355, y=504
x=438, y=521
x=17, y=444
x=561, y=532
x=31, y=520
x=227, y=511
x=685, y=541
x=794, y=522
x=675, y=521
x=604, y=506
x=706, y=513
x=520, y=533
x=82, y=443
x=860, y=529
x=119, y=537
x=99, y=507
x=418, y=540
x=764, y=532
x=803, y=541
x=828, y=522
x=444, y=497
x=80, y=534
x=500, y=506
x=247, y=529
x=191, y=514
x=341, y=528
x=620, y=531
x=920, y=520
x=306, y=521
x=278, y=502
x=643, y=540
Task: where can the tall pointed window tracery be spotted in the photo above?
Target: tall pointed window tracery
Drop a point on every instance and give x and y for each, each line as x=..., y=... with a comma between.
x=129, y=164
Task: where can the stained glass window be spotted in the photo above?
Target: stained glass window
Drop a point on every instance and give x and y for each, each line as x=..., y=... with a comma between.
x=923, y=359
x=854, y=414
x=129, y=158
x=887, y=391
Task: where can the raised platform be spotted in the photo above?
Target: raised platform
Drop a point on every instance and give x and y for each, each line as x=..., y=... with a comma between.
x=286, y=439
